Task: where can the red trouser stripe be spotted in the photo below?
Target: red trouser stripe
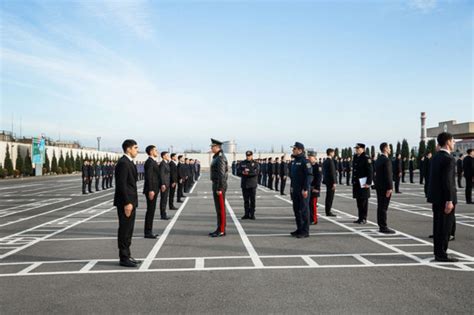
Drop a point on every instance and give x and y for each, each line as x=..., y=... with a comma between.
x=221, y=202
x=315, y=209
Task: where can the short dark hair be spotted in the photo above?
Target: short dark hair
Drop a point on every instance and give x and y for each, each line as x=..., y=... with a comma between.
x=149, y=149
x=129, y=143
x=443, y=138
x=383, y=145
x=329, y=151
x=173, y=154
x=469, y=151
x=179, y=157
x=163, y=153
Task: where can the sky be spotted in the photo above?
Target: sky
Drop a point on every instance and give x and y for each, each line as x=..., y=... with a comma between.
x=264, y=73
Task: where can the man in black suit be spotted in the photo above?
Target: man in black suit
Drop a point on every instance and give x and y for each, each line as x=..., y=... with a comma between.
x=411, y=169
x=397, y=172
x=330, y=180
x=468, y=169
x=270, y=173
x=181, y=178
x=248, y=170
x=384, y=187
x=150, y=189
x=442, y=196
x=361, y=182
x=427, y=171
x=85, y=176
x=315, y=188
x=126, y=200
x=173, y=179
x=459, y=170
x=165, y=181
x=284, y=171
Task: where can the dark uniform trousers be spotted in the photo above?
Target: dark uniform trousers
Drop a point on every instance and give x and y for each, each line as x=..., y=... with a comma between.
x=84, y=184
x=89, y=184
x=125, y=232
x=412, y=180
x=219, y=203
x=150, y=213
x=468, y=190
x=270, y=182
x=348, y=178
x=382, y=207
x=362, y=207
x=340, y=177
x=164, y=201
x=180, y=191
x=277, y=182
x=301, y=210
x=171, y=196
x=329, y=198
x=97, y=180
x=396, y=179
x=104, y=178
x=249, y=200
x=443, y=226
x=264, y=180
x=282, y=186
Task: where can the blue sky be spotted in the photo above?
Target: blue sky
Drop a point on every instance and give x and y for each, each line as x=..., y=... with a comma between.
x=265, y=73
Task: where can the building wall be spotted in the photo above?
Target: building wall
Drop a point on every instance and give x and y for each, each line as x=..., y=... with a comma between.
x=14, y=146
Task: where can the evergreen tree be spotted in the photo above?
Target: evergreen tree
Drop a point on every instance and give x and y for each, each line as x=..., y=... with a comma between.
x=350, y=152
x=399, y=148
x=46, y=164
x=8, y=163
x=28, y=164
x=78, y=163
x=62, y=164
x=19, y=165
x=367, y=151
x=67, y=163
x=391, y=151
x=73, y=163
x=54, y=163
x=372, y=150
x=431, y=147
x=336, y=152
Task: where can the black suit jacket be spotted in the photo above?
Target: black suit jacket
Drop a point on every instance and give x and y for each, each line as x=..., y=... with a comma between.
x=384, y=178
x=125, y=183
x=165, y=174
x=152, y=182
x=468, y=167
x=442, y=183
x=173, y=172
x=329, y=172
x=181, y=171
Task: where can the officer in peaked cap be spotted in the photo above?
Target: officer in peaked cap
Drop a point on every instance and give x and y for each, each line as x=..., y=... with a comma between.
x=248, y=170
x=219, y=169
x=301, y=177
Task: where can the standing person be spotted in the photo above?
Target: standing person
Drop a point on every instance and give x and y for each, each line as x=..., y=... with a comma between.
x=411, y=169
x=384, y=187
x=277, y=173
x=340, y=169
x=219, y=169
x=248, y=170
x=427, y=171
x=85, y=176
x=329, y=179
x=264, y=167
x=186, y=175
x=126, y=201
x=151, y=189
x=284, y=166
x=270, y=173
x=348, y=171
x=165, y=181
x=361, y=182
x=90, y=174
x=442, y=196
x=97, y=173
x=173, y=179
x=198, y=169
x=181, y=178
x=404, y=169
x=315, y=188
x=397, y=172
x=421, y=168
x=468, y=169
x=104, y=175
x=301, y=178
x=459, y=170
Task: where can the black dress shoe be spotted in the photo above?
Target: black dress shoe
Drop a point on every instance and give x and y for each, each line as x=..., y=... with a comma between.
x=446, y=259
x=245, y=217
x=364, y=221
x=179, y=201
x=151, y=235
x=218, y=234
x=357, y=222
x=216, y=231
x=302, y=235
x=91, y=192
x=133, y=260
x=330, y=214
x=294, y=233
x=314, y=222
x=173, y=208
x=387, y=231
x=430, y=236
x=165, y=218
x=128, y=263
x=252, y=217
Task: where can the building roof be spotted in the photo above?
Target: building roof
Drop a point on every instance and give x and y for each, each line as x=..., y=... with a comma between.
x=459, y=131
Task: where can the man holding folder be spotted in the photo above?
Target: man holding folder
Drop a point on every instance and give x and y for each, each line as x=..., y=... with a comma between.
x=361, y=180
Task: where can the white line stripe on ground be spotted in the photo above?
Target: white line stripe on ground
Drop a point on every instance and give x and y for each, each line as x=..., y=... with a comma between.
x=29, y=268
x=89, y=265
x=248, y=245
